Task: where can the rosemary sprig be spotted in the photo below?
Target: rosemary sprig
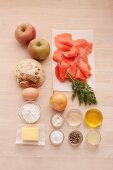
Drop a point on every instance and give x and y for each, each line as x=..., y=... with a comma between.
x=83, y=91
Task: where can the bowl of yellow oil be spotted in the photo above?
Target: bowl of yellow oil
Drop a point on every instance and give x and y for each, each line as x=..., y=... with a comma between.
x=93, y=118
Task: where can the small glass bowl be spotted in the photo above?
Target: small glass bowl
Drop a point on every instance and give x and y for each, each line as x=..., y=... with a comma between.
x=56, y=137
x=74, y=117
x=93, y=118
x=75, y=138
x=59, y=124
x=93, y=137
x=26, y=112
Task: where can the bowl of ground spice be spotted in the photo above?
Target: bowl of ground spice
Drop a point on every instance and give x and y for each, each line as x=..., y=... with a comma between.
x=75, y=138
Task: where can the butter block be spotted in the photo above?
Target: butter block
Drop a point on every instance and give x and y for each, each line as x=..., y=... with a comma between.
x=30, y=134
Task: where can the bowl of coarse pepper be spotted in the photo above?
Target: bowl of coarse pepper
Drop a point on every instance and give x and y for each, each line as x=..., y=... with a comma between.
x=75, y=138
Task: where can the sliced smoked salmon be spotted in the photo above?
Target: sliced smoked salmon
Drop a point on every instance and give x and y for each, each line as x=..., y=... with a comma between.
x=73, y=70
x=61, y=39
x=84, y=68
x=79, y=75
x=63, y=69
x=72, y=56
x=57, y=56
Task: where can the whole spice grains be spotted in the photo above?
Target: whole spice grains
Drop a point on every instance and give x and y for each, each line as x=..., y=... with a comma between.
x=75, y=137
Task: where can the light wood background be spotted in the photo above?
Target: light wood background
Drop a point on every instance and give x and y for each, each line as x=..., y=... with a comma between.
x=45, y=15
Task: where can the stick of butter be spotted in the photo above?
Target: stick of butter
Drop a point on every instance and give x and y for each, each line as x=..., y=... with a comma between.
x=30, y=134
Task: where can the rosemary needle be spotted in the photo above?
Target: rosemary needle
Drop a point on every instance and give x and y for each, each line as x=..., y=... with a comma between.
x=83, y=91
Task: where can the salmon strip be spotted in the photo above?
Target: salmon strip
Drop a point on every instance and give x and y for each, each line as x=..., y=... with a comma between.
x=79, y=75
x=59, y=39
x=57, y=56
x=84, y=68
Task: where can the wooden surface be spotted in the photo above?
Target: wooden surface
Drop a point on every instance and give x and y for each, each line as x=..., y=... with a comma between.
x=45, y=15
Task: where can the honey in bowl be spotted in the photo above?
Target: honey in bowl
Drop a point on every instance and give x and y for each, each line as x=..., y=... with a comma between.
x=93, y=118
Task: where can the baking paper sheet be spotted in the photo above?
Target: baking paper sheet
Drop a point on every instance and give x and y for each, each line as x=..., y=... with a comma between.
x=76, y=34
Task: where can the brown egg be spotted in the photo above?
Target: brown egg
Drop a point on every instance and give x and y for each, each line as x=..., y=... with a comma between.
x=30, y=94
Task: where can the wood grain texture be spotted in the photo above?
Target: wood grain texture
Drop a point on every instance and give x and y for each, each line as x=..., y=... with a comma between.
x=45, y=15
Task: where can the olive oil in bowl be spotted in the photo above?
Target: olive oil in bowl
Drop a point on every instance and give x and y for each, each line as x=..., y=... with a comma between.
x=93, y=118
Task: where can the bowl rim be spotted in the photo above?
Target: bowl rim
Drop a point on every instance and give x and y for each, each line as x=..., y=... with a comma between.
x=61, y=117
x=20, y=112
x=93, y=130
x=78, y=111
x=53, y=142
x=99, y=113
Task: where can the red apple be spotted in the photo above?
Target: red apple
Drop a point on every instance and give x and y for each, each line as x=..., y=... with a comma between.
x=39, y=49
x=24, y=33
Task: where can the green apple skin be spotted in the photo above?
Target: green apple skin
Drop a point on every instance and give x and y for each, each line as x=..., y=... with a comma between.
x=24, y=33
x=39, y=49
